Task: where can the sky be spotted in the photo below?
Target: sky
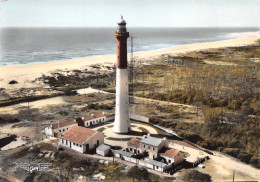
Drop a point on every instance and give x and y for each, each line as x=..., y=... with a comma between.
x=137, y=13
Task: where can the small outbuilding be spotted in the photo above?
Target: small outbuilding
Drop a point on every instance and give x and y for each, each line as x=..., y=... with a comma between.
x=156, y=165
x=173, y=156
x=103, y=150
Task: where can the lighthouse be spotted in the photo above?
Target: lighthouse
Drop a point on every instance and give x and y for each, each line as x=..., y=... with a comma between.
x=122, y=122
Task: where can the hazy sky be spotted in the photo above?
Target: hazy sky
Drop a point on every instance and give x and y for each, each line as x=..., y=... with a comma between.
x=137, y=13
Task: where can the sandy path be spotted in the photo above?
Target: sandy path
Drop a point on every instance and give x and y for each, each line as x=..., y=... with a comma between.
x=228, y=163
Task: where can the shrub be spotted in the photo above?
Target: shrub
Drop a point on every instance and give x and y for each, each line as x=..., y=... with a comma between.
x=196, y=176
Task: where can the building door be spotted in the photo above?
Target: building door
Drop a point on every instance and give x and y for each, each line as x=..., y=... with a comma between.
x=70, y=144
x=87, y=147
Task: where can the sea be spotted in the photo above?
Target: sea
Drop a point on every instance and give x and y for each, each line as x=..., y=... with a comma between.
x=37, y=45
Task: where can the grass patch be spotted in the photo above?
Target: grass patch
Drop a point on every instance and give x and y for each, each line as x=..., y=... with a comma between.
x=21, y=153
x=101, y=129
x=47, y=146
x=119, y=139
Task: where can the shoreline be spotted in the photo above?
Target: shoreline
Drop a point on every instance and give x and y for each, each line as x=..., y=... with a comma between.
x=25, y=74
x=137, y=52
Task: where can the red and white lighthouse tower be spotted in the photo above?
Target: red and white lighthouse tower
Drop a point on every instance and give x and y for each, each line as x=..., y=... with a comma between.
x=122, y=122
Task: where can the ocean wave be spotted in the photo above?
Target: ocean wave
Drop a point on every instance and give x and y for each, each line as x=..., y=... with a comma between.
x=242, y=35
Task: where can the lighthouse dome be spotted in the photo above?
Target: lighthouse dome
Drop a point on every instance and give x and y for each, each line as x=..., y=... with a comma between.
x=121, y=26
x=122, y=21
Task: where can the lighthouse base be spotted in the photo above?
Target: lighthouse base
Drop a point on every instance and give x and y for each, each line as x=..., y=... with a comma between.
x=122, y=122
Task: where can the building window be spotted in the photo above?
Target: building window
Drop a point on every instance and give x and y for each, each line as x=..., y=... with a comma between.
x=156, y=167
x=169, y=161
x=148, y=147
x=62, y=140
x=103, y=119
x=60, y=130
x=130, y=149
x=66, y=142
x=80, y=145
x=97, y=142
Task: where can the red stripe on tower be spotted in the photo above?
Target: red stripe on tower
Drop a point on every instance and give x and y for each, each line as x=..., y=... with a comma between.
x=121, y=35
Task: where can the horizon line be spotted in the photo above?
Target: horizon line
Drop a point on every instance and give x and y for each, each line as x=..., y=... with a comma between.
x=132, y=27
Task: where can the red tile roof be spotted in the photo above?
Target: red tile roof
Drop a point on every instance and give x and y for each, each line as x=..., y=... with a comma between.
x=134, y=142
x=62, y=124
x=99, y=115
x=78, y=134
x=170, y=153
x=86, y=118
x=89, y=117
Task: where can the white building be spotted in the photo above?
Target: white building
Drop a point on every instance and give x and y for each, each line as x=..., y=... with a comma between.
x=81, y=139
x=103, y=150
x=156, y=148
x=94, y=119
x=61, y=127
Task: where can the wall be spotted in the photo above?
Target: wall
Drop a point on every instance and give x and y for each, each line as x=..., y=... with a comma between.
x=71, y=145
x=154, y=167
x=102, y=153
x=153, y=151
x=48, y=131
x=138, y=150
x=95, y=121
x=92, y=141
x=77, y=148
x=179, y=158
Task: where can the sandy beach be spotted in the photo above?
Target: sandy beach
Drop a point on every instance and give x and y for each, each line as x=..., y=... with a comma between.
x=25, y=74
